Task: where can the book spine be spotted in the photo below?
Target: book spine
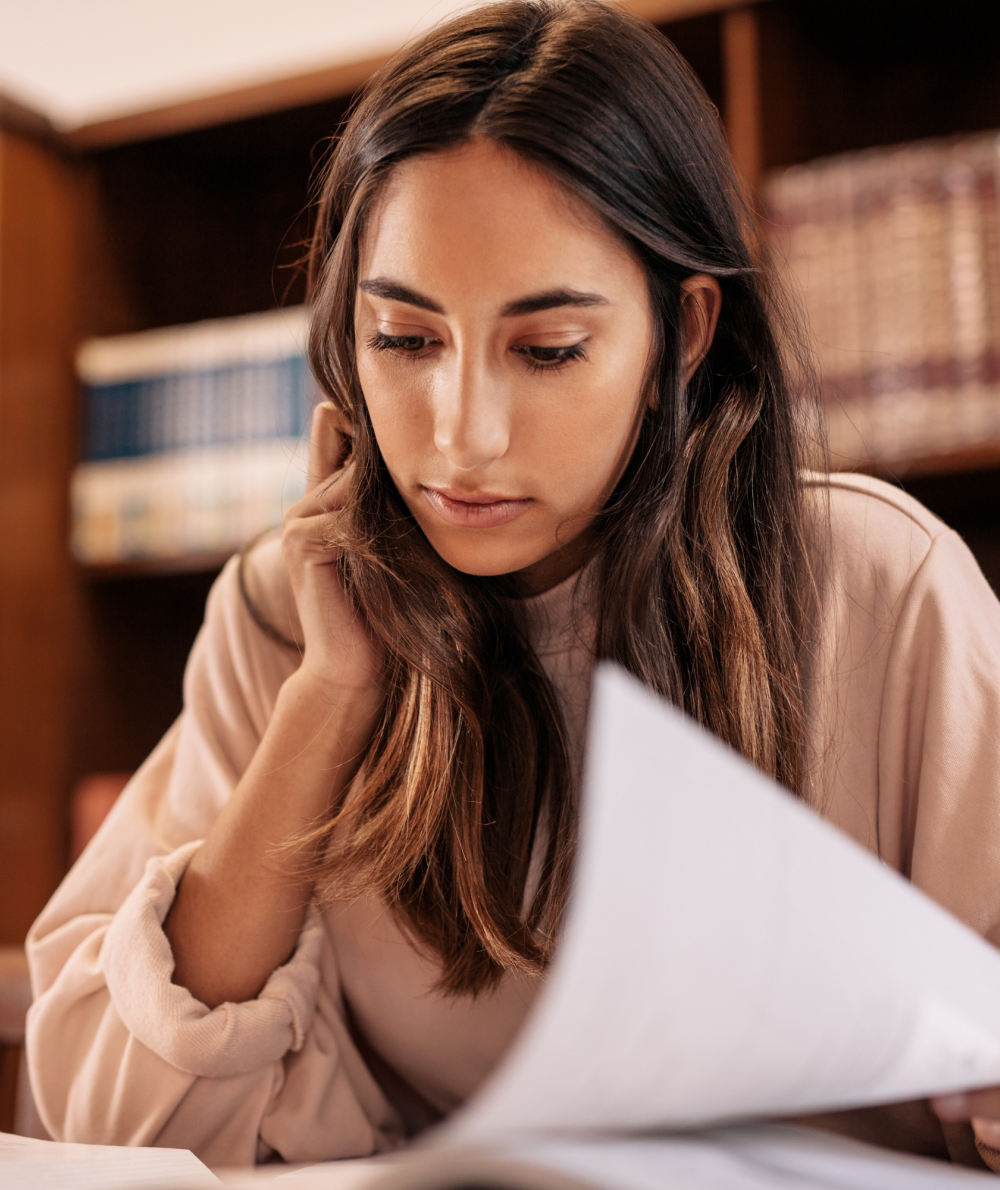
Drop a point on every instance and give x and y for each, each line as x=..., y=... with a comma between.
x=897, y=254
x=183, y=502
x=191, y=459
x=990, y=223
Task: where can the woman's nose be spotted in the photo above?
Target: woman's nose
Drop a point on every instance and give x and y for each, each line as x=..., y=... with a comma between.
x=472, y=424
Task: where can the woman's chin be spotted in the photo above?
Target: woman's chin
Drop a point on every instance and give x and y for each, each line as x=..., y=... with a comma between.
x=487, y=558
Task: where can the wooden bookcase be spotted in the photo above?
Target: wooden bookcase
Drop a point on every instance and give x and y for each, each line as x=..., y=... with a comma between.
x=201, y=210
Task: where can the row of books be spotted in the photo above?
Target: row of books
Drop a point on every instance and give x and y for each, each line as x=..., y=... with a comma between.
x=193, y=436
x=211, y=500
x=895, y=253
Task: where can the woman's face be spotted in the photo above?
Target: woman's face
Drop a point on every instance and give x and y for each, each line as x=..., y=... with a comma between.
x=502, y=340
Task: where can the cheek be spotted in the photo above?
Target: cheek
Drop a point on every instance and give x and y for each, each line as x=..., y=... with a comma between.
x=399, y=411
x=583, y=446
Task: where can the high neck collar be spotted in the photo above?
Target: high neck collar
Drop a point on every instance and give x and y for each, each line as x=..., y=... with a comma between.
x=562, y=617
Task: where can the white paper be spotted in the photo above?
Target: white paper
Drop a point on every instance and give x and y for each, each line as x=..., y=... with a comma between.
x=729, y=955
x=822, y=1159
x=27, y=1164
x=767, y=1157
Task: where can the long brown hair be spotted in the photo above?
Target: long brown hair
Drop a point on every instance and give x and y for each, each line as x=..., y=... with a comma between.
x=699, y=558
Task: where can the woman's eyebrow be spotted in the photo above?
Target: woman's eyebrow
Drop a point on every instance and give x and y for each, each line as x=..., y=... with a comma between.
x=383, y=287
x=551, y=300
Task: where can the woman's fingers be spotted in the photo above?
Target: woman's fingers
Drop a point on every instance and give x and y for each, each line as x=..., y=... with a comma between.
x=328, y=444
x=981, y=1107
x=966, y=1104
x=308, y=521
x=988, y=1131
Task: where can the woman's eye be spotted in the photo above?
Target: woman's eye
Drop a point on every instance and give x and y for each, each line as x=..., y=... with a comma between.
x=403, y=344
x=547, y=358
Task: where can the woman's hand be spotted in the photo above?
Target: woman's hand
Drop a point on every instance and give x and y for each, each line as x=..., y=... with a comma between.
x=981, y=1108
x=340, y=655
x=241, y=903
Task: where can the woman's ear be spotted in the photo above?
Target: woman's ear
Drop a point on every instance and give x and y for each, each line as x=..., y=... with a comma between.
x=701, y=301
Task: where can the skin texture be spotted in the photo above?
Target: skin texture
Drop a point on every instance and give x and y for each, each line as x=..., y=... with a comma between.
x=241, y=903
x=982, y=1108
x=474, y=394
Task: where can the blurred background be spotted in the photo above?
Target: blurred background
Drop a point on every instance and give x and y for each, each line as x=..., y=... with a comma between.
x=155, y=161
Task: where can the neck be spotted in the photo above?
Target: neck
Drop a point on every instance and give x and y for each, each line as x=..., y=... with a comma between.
x=554, y=568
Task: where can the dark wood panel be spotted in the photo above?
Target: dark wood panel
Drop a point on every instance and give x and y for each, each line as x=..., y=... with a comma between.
x=205, y=225
x=983, y=457
x=314, y=86
x=699, y=39
x=211, y=223
x=968, y=502
x=742, y=113
x=22, y=121
x=10, y=1058
x=38, y=318
x=137, y=633
x=198, y=563
x=846, y=76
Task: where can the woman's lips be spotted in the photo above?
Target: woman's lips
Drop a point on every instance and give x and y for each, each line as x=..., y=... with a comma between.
x=483, y=510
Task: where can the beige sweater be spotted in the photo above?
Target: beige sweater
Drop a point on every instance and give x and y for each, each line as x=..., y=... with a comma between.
x=347, y=1050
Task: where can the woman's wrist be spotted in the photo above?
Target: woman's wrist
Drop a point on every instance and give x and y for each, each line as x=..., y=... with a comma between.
x=242, y=900
x=307, y=703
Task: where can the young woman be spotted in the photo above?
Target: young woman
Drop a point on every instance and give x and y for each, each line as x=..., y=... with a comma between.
x=559, y=426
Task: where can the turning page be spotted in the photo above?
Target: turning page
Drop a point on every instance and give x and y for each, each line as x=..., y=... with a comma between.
x=728, y=954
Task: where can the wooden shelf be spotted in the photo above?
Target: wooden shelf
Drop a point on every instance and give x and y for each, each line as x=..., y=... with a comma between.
x=314, y=86
x=985, y=457
x=202, y=563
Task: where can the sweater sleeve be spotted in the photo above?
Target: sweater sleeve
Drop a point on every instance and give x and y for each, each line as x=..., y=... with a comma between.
x=118, y=1053
x=939, y=742
x=939, y=738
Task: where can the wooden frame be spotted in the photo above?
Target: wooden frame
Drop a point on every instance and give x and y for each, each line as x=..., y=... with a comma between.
x=38, y=327
x=312, y=87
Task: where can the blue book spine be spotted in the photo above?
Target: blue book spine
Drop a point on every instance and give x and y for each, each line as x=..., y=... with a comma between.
x=246, y=402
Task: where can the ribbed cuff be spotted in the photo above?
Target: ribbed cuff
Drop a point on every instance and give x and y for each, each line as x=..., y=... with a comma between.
x=138, y=966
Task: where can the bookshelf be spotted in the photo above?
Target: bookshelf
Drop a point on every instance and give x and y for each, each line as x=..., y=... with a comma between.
x=836, y=78
x=200, y=211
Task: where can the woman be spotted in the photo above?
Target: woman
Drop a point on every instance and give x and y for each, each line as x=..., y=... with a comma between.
x=559, y=427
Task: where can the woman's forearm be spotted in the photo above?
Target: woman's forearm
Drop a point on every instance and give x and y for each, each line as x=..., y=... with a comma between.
x=242, y=901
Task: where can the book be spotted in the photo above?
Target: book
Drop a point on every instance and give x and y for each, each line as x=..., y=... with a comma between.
x=762, y=1157
x=728, y=958
x=894, y=255
x=210, y=500
x=27, y=1164
x=193, y=436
